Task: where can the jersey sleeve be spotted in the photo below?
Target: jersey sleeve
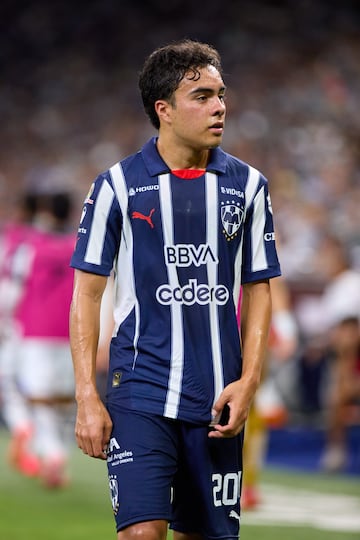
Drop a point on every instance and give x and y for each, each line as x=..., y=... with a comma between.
x=260, y=260
x=99, y=230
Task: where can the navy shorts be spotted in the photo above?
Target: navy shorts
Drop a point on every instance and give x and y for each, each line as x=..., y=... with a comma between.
x=168, y=469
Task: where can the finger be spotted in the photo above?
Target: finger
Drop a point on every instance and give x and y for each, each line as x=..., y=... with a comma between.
x=215, y=417
x=98, y=448
x=227, y=431
x=91, y=447
x=107, y=434
x=220, y=403
x=218, y=432
x=214, y=434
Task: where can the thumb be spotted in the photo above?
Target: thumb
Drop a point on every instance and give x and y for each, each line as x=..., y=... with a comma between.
x=107, y=432
x=218, y=408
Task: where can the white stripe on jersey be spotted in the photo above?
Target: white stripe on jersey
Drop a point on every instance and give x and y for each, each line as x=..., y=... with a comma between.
x=125, y=300
x=237, y=272
x=250, y=190
x=98, y=225
x=251, y=186
x=259, y=261
x=177, y=334
x=212, y=228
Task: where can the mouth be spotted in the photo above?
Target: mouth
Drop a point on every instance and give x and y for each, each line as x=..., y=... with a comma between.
x=217, y=128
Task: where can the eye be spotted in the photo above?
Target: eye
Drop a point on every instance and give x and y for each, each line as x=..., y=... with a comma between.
x=201, y=98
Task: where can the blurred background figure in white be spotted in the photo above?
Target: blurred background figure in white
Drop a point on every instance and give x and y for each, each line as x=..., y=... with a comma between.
x=340, y=311
x=42, y=363
x=268, y=410
x=15, y=409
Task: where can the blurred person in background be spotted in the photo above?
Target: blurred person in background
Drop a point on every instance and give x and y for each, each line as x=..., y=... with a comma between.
x=186, y=226
x=43, y=361
x=268, y=409
x=340, y=312
x=344, y=400
x=14, y=406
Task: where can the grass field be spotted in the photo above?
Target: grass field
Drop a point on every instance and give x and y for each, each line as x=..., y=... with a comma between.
x=327, y=507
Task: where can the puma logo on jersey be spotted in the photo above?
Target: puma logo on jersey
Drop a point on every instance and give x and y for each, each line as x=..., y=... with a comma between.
x=139, y=215
x=234, y=514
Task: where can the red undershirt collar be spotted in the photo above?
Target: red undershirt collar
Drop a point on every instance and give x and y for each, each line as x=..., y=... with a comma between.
x=188, y=174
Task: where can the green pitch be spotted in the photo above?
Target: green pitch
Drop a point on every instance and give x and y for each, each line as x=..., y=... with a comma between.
x=83, y=511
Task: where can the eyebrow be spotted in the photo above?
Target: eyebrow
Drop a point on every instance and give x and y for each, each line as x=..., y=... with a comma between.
x=206, y=90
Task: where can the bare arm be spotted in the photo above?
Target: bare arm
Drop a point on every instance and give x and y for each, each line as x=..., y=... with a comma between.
x=255, y=316
x=284, y=328
x=93, y=424
x=106, y=326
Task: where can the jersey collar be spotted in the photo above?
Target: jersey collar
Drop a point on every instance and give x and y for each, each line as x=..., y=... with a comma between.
x=155, y=164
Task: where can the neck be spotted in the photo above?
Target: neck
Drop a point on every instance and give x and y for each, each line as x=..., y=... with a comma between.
x=178, y=157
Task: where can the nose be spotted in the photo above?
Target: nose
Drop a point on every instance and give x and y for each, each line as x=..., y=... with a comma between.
x=220, y=107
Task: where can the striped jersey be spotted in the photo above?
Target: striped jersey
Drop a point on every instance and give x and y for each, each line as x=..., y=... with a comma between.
x=180, y=250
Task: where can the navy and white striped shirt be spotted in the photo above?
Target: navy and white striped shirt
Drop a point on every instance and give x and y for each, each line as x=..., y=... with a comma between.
x=180, y=250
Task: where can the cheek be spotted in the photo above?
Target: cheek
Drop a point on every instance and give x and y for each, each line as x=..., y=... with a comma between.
x=193, y=119
x=187, y=124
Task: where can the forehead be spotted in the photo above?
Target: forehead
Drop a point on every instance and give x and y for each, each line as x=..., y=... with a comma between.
x=206, y=77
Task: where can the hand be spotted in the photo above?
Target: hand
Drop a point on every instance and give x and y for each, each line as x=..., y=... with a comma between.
x=93, y=427
x=236, y=397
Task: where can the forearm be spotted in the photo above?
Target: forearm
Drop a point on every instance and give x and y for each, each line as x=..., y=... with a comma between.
x=93, y=424
x=256, y=317
x=84, y=332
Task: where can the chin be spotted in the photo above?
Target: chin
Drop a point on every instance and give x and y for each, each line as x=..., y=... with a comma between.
x=215, y=144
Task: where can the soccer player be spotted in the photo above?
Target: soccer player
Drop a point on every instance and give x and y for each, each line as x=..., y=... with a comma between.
x=43, y=363
x=267, y=409
x=14, y=406
x=184, y=225
x=339, y=314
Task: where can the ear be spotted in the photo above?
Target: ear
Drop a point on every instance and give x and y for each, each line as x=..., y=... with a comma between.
x=163, y=110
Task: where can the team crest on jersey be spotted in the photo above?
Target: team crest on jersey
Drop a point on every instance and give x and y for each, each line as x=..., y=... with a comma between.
x=231, y=218
x=114, y=493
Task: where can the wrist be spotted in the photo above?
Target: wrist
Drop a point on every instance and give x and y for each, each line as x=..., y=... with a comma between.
x=251, y=381
x=86, y=393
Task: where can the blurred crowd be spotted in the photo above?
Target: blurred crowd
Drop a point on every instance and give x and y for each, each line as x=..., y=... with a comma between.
x=69, y=104
x=69, y=108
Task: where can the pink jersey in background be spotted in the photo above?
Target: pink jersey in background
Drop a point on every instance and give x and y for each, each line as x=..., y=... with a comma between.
x=43, y=310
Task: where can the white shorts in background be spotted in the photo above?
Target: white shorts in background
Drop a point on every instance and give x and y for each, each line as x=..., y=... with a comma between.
x=45, y=369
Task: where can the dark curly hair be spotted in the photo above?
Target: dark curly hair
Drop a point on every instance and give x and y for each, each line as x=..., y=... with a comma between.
x=166, y=67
